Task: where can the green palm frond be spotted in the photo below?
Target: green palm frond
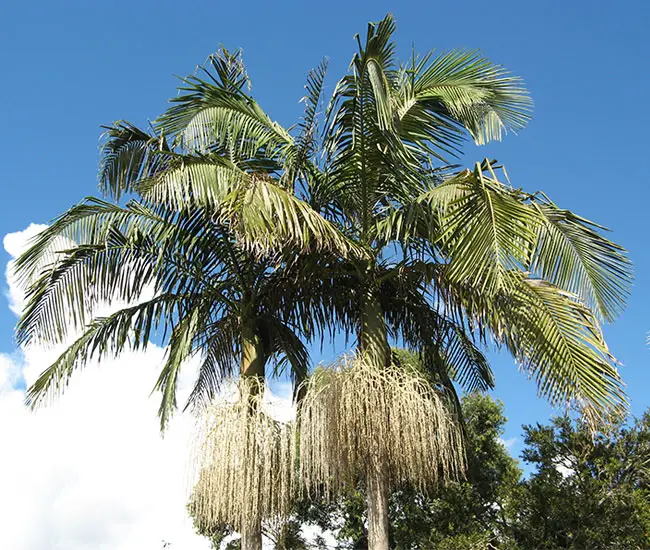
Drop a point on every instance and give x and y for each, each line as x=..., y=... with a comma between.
x=464, y=88
x=307, y=140
x=78, y=225
x=104, y=337
x=423, y=325
x=62, y=299
x=226, y=69
x=119, y=253
x=573, y=255
x=558, y=340
x=217, y=115
x=181, y=347
x=487, y=230
x=128, y=156
x=220, y=353
x=466, y=363
x=256, y=207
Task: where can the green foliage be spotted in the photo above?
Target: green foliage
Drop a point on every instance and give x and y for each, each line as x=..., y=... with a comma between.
x=587, y=491
x=358, y=210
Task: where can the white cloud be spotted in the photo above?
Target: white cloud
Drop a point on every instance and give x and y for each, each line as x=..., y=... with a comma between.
x=15, y=244
x=508, y=443
x=91, y=471
x=564, y=467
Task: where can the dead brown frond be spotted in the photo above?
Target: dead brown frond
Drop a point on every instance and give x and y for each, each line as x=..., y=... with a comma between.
x=245, y=463
x=356, y=417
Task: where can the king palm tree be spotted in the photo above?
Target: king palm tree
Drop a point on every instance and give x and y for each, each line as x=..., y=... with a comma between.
x=209, y=295
x=219, y=291
x=442, y=260
x=496, y=261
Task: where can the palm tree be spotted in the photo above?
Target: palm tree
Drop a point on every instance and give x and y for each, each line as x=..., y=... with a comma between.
x=218, y=290
x=447, y=259
x=209, y=295
x=476, y=255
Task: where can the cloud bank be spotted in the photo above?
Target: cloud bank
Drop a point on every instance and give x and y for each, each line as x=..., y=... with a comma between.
x=91, y=471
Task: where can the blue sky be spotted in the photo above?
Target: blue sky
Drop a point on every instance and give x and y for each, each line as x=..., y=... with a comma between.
x=69, y=67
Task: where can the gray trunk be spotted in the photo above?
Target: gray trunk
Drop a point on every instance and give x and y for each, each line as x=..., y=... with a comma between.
x=378, y=510
x=253, y=363
x=251, y=537
x=375, y=349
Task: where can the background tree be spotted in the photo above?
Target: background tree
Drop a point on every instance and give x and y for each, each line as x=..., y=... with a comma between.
x=586, y=491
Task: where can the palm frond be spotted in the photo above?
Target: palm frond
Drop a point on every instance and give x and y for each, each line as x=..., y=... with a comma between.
x=104, y=337
x=221, y=351
x=422, y=325
x=217, y=115
x=226, y=70
x=180, y=348
x=290, y=351
x=128, y=155
x=464, y=88
x=466, y=363
x=120, y=253
x=261, y=212
x=572, y=254
x=306, y=142
x=487, y=227
x=559, y=342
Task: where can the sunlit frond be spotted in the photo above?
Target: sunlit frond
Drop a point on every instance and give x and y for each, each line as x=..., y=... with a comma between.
x=572, y=254
x=559, y=342
x=256, y=207
x=465, y=88
x=487, y=230
x=217, y=115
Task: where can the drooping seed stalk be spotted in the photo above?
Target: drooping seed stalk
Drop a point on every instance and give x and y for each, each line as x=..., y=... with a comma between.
x=245, y=462
x=244, y=457
x=386, y=425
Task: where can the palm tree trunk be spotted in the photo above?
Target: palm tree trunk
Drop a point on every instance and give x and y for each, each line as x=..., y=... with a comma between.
x=373, y=340
x=377, y=486
x=374, y=347
x=251, y=537
x=253, y=361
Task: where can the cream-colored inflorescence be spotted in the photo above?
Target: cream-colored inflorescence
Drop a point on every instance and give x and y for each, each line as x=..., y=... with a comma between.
x=245, y=463
x=357, y=417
